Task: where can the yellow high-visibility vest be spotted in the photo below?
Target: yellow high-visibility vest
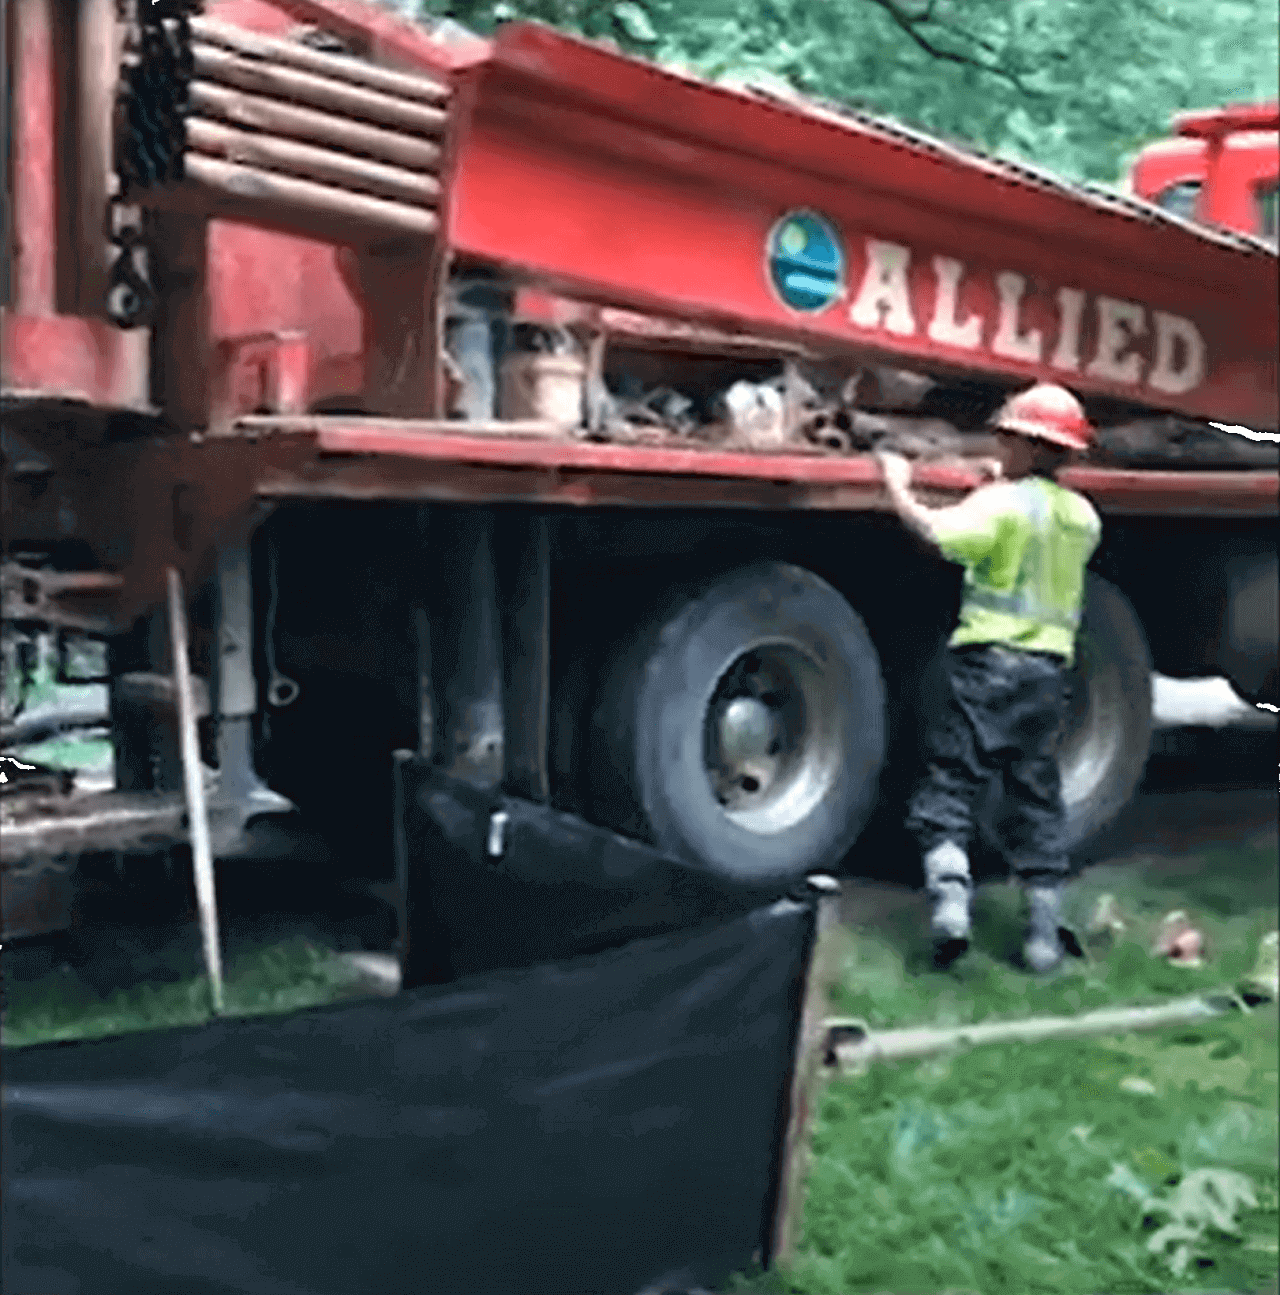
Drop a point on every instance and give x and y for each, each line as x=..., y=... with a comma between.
x=1024, y=553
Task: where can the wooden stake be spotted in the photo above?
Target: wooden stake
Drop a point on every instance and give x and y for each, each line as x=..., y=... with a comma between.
x=193, y=781
x=831, y=943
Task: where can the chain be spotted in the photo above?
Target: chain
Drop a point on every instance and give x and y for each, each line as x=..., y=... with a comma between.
x=153, y=95
x=151, y=104
x=130, y=298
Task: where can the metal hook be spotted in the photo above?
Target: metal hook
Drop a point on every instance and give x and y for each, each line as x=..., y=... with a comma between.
x=282, y=691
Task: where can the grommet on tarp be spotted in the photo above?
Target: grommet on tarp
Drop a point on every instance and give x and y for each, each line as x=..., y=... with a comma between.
x=816, y=886
x=498, y=821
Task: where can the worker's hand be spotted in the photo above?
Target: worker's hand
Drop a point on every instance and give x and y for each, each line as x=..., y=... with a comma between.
x=896, y=469
x=989, y=469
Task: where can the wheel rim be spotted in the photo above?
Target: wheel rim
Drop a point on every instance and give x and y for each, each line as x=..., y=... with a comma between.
x=1094, y=728
x=772, y=747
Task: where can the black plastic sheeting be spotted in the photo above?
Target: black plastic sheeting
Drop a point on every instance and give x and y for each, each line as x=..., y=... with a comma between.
x=605, y=1124
x=558, y=887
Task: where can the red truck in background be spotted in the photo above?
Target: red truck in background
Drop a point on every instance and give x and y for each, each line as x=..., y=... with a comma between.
x=511, y=401
x=1221, y=167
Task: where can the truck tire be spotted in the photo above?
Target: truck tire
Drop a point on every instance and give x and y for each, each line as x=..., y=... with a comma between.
x=1248, y=646
x=744, y=728
x=1108, y=737
x=1108, y=733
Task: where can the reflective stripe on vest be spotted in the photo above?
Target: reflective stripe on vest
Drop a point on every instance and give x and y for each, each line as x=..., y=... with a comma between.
x=1033, y=599
x=1019, y=604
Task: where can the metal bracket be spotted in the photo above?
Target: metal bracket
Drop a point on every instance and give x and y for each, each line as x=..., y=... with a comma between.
x=236, y=690
x=32, y=596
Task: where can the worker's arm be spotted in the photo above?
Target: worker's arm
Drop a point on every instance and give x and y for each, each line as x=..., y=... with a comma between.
x=975, y=517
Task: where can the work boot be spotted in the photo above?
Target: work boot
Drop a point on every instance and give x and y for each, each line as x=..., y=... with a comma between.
x=1044, y=949
x=949, y=887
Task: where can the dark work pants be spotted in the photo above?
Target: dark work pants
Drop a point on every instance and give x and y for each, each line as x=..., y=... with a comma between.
x=1002, y=720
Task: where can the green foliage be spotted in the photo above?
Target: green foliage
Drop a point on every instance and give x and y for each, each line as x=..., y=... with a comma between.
x=1074, y=85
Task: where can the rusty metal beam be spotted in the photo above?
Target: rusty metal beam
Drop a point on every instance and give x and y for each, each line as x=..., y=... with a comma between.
x=526, y=562
x=181, y=341
x=34, y=596
x=470, y=679
x=99, y=821
x=90, y=153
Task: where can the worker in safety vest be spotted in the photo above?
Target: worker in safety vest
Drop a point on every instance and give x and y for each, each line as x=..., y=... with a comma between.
x=1024, y=543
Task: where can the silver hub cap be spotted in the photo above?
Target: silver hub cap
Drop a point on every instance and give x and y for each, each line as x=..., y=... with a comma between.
x=772, y=747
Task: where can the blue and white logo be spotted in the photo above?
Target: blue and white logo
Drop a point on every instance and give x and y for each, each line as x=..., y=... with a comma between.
x=806, y=262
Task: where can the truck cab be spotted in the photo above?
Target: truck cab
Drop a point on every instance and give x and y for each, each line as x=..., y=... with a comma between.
x=1220, y=168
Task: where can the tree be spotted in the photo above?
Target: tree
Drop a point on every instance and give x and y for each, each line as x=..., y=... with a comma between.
x=1073, y=85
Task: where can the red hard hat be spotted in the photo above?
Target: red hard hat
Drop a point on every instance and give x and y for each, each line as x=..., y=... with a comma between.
x=1049, y=412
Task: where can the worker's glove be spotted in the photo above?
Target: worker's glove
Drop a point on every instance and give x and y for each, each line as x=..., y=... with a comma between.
x=896, y=469
x=989, y=469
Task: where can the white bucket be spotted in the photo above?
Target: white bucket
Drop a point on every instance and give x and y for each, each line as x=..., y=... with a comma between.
x=543, y=388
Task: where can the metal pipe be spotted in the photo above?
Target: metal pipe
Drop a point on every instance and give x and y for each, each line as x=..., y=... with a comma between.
x=320, y=92
x=193, y=782
x=257, y=113
x=236, y=701
x=325, y=165
x=864, y=1048
x=255, y=190
x=102, y=821
x=39, y=726
x=472, y=689
x=294, y=54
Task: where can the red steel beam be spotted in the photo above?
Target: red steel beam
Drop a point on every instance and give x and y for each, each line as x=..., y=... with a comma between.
x=611, y=180
x=382, y=459
x=1178, y=494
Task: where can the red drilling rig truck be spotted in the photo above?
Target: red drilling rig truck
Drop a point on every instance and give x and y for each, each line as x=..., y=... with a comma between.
x=510, y=402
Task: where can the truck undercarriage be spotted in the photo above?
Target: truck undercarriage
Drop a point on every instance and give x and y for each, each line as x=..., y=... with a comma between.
x=325, y=378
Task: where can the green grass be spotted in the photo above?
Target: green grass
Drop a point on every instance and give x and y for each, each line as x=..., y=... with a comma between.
x=1230, y=894
x=1028, y=1168
x=268, y=979
x=989, y=1171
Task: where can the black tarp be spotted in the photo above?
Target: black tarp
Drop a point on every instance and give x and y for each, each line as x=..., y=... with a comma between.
x=558, y=887
x=601, y=1124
